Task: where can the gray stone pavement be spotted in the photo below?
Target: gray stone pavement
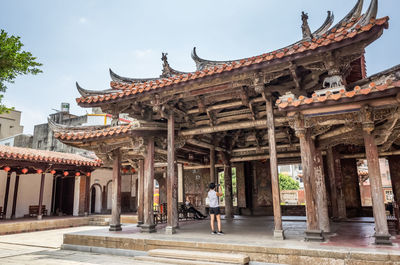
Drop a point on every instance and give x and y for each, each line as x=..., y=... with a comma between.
x=44, y=248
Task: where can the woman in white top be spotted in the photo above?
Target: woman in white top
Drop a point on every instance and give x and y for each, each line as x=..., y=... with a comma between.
x=214, y=208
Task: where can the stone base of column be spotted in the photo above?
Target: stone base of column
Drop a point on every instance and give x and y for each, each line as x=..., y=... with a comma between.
x=148, y=228
x=383, y=239
x=314, y=236
x=115, y=227
x=139, y=223
x=39, y=217
x=279, y=234
x=169, y=230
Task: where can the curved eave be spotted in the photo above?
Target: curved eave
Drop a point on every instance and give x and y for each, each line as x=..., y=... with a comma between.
x=122, y=79
x=56, y=127
x=86, y=92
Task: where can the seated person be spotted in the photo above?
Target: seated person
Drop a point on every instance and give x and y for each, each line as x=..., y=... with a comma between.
x=191, y=209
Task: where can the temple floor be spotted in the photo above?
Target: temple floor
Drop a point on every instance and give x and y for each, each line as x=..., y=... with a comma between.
x=258, y=231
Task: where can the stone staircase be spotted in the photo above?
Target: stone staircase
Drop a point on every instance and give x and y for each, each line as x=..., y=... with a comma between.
x=186, y=257
x=99, y=220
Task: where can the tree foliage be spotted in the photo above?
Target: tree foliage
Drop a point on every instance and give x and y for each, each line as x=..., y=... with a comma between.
x=287, y=183
x=13, y=62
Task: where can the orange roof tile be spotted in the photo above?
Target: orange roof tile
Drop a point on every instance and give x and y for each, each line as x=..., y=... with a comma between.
x=34, y=155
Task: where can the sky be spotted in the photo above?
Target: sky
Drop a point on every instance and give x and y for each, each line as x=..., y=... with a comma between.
x=80, y=40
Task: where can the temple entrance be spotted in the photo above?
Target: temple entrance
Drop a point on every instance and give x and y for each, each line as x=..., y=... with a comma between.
x=64, y=197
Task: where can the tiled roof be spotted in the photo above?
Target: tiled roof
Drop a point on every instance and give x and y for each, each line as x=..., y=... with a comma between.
x=347, y=30
x=342, y=94
x=34, y=155
x=90, y=134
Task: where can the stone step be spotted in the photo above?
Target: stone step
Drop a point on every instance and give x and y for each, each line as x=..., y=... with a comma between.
x=200, y=256
x=98, y=223
x=160, y=260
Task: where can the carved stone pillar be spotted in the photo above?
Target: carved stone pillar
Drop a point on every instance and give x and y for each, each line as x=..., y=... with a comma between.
x=278, y=230
x=148, y=225
x=115, y=223
x=319, y=188
x=313, y=232
x=140, y=192
x=382, y=235
x=172, y=188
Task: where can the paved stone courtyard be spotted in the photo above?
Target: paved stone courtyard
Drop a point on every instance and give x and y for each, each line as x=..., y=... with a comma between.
x=44, y=248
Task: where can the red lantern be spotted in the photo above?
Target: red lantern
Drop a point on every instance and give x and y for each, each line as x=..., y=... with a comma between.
x=77, y=174
x=124, y=170
x=39, y=171
x=65, y=173
x=6, y=169
x=24, y=170
x=53, y=172
x=133, y=170
x=88, y=174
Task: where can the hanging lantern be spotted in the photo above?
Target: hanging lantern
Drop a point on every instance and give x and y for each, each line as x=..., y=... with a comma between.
x=133, y=170
x=6, y=169
x=24, y=170
x=39, y=171
x=186, y=164
x=88, y=174
x=124, y=170
x=53, y=172
x=77, y=174
x=65, y=173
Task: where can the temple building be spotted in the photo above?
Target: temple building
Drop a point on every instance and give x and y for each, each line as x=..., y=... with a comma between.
x=310, y=103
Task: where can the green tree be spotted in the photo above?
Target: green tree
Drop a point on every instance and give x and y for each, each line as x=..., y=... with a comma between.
x=287, y=183
x=13, y=62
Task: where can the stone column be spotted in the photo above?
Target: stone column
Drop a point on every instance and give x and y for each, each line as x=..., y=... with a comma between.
x=76, y=195
x=273, y=161
x=104, y=199
x=140, y=192
x=14, y=205
x=172, y=188
x=382, y=235
x=115, y=223
x=181, y=184
x=87, y=195
x=351, y=186
x=40, y=214
x=228, y=190
x=6, y=194
x=212, y=166
x=313, y=232
x=148, y=225
x=320, y=191
x=60, y=197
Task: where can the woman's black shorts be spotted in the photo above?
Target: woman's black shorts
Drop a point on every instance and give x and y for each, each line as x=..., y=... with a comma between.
x=215, y=210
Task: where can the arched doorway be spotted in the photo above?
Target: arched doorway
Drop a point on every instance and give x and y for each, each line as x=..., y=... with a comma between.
x=95, y=198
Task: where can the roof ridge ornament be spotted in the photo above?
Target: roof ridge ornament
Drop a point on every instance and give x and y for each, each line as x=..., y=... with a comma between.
x=305, y=27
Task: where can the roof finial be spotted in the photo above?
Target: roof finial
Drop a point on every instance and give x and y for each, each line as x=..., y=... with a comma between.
x=166, y=72
x=305, y=28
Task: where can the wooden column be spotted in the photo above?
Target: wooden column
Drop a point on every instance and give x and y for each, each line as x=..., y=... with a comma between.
x=382, y=235
x=331, y=173
x=148, y=225
x=115, y=223
x=341, y=200
x=172, y=187
x=276, y=198
x=39, y=217
x=140, y=192
x=320, y=191
x=14, y=205
x=394, y=167
x=87, y=195
x=6, y=194
x=212, y=166
x=60, y=197
x=228, y=190
x=351, y=186
x=104, y=199
x=181, y=184
x=313, y=232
